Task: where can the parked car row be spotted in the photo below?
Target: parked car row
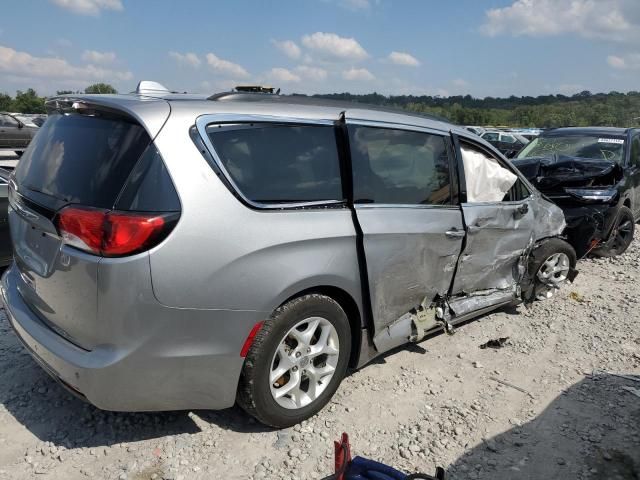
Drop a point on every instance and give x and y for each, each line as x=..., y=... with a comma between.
x=15, y=133
x=305, y=237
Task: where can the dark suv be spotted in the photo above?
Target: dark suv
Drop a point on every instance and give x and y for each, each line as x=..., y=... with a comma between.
x=593, y=174
x=14, y=134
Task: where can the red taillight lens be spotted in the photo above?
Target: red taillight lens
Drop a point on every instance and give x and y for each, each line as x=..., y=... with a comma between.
x=111, y=233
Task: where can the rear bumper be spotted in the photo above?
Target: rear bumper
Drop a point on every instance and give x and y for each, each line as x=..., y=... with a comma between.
x=189, y=360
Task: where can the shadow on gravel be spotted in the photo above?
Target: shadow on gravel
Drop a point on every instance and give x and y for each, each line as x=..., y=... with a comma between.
x=590, y=431
x=52, y=414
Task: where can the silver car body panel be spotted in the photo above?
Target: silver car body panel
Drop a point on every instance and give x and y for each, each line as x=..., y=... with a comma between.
x=163, y=329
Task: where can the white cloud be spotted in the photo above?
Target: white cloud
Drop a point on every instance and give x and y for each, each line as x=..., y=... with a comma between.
x=332, y=46
x=190, y=59
x=630, y=61
x=459, y=82
x=283, y=75
x=355, y=4
x=358, y=74
x=89, y=7
x=604, y=19
x=312, y=73
x=288, y=47
x=24, y=64
x=225, y=67
x=402, y=58
x=94, y=56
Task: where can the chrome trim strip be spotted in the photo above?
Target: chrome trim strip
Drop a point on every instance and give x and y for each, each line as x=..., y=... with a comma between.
x=203, y=121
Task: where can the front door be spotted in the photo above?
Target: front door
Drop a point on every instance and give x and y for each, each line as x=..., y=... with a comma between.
x=412, y=231
x=499, y=217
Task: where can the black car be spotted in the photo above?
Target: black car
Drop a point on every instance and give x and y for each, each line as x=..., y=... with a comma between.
x=509, y=143
x=14, y=134
x=593, y=174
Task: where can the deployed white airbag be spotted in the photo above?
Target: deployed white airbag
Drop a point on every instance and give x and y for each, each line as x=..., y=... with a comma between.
x=487, y=181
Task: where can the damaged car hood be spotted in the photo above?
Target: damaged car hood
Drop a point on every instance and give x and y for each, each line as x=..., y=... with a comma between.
x=552, y=173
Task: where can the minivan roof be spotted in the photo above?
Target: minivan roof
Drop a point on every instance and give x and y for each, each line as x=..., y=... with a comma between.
x=299, y=106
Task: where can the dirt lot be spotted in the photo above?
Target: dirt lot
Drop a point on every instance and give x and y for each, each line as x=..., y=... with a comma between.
x=437, y=403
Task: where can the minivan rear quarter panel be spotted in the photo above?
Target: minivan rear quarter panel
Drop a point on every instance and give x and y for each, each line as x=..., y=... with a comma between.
x=273, y=254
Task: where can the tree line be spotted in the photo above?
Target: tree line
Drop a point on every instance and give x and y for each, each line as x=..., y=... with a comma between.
x=612, y=109
x=28, y=101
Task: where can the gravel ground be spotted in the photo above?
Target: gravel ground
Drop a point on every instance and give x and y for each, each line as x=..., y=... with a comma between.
x=557, y=414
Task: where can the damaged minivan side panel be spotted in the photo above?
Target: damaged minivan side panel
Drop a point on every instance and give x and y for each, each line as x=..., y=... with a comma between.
x=411, y=231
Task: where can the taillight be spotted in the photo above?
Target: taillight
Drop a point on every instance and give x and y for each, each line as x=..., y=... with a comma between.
x=113, y=233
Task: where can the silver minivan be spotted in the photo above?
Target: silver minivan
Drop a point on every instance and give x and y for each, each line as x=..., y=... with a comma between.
x=175, y=251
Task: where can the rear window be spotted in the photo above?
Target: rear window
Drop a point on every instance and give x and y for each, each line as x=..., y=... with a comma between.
x=274, y=163
x=81, y=159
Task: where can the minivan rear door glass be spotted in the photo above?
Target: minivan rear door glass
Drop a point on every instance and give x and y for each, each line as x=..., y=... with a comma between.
x=274, y=163
x=412, y=232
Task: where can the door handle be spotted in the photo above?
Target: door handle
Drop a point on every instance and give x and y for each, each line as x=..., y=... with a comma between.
x=454, y=233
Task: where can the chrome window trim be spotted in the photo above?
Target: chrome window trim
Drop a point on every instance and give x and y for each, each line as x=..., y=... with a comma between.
x=203, y=121
x=394, y=126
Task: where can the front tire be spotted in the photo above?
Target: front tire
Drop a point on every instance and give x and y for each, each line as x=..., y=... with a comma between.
x=296, y=362
x=621, y=235
x=553, y=261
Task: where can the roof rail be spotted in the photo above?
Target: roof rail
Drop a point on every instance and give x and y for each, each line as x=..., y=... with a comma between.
x=146, y=87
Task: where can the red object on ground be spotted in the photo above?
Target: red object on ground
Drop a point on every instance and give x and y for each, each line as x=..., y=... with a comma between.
x=343, y=456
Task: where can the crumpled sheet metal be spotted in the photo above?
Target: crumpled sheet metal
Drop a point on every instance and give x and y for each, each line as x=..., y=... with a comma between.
x=550, y=219
x=486, y=179
x=403, y=251
x=478, y=300
x=496, y=241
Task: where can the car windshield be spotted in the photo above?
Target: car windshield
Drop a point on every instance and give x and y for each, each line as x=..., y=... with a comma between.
x=583, y=146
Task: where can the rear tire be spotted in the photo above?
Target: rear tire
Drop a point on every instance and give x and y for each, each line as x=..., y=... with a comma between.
x=285, y=379
x=551, y=263
x=621, y=235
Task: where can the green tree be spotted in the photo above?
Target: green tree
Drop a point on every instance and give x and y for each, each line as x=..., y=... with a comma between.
x=28, y=102
x=100, y=88
x=6, y=102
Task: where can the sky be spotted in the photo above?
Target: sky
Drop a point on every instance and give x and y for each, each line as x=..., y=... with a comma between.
x=423, y=47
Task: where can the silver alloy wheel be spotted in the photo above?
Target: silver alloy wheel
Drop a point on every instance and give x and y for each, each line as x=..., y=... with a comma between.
x=304, y=363
x=552, y=274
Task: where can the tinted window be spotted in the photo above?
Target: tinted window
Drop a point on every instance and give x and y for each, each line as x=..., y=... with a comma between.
x=81, y=159
x=280, y=163
x=149, y=187
x=490, y=137
x=399, y=167
x=508, y=139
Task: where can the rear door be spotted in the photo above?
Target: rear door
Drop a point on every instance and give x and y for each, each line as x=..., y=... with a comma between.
x=499, y=218
x=404, y=202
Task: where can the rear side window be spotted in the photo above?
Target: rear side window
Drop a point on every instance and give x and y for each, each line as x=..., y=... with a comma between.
x=276, y=163
x=81, y=159
x=399, y=167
